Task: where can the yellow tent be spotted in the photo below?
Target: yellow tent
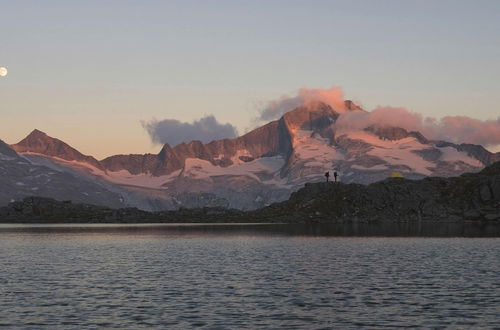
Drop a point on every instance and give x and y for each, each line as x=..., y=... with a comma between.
x=396, y=175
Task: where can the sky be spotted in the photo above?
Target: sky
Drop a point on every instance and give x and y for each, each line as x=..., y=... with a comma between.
x=96, y=73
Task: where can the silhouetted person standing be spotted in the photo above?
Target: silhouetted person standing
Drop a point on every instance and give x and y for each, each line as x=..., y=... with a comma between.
x=327, y=175
x=335, y=175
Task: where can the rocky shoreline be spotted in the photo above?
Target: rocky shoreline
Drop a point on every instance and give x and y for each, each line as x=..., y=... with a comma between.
x=472, y=197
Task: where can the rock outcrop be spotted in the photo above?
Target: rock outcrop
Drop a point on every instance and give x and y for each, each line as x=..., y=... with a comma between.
x=471, y=196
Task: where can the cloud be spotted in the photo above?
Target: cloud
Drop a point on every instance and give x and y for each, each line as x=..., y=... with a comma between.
x=333, y=96
x=457, y=129
x=276, y=108
x=382, y=116
x=174, y=132
x=465, y=129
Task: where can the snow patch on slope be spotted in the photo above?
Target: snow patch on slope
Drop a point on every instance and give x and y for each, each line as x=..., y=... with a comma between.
x=201, y=169
x=315, y=149
x=396, y=152
x=193, y=168
x=122, y=177
x=452, y=155
x=379, y=167
x=6, y=158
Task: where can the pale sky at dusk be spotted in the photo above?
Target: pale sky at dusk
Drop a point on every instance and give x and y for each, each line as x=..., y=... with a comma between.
x=88, y=72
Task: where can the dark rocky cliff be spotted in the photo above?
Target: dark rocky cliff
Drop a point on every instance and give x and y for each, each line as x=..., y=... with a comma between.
x=7, y=151
x=268, y=140
x=134, y=163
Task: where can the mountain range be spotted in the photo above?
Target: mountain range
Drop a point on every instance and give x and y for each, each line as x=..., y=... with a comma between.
x=254, y=170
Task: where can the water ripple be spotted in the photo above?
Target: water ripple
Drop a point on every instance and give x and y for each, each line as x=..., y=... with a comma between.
x=92, y=280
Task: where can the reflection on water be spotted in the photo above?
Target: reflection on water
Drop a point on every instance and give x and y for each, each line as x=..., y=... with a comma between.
x=244, y=276
x=420, y=229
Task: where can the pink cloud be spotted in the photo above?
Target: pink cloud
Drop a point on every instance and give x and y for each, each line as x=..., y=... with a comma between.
x=457, y=129
x=462, y=129
x=333, y=96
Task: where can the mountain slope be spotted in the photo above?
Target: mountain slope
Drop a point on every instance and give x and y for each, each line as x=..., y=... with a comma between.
x=19, y=177
x=398, y=206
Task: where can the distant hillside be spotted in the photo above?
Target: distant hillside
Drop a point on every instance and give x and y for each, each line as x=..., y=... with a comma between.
x=469, y=197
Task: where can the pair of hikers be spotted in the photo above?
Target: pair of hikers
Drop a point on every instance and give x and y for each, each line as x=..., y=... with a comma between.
x=335, y=175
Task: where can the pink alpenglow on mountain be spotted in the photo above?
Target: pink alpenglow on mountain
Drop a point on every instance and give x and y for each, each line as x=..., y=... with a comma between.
x=268, y=163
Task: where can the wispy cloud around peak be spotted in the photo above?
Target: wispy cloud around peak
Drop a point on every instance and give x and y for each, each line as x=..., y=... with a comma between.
x=274, y=109
x=457, y=129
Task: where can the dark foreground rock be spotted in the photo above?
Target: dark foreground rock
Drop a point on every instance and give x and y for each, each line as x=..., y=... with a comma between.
x=470, y=197
x=47, y=210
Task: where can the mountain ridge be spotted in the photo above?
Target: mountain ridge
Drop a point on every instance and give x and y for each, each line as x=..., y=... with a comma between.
x=266, y=164
x=39, y=142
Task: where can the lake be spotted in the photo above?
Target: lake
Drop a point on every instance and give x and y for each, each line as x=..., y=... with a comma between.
x=243, y=276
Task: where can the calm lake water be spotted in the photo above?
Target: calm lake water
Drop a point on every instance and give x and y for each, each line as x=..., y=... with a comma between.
x=242, y=276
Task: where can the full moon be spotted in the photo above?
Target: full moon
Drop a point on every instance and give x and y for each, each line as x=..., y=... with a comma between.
x=3, y=71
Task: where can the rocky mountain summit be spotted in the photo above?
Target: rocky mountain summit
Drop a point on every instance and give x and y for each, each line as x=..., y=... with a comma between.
x=470, y=197
x=261, y=167
x=40, y=143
